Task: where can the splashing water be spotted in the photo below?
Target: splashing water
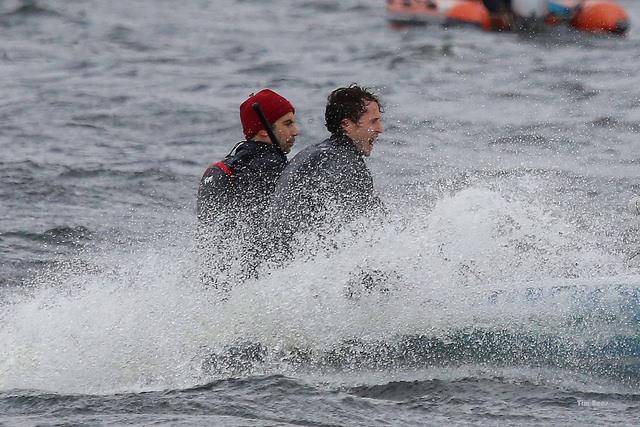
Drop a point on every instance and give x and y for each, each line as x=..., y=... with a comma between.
x=481, y=276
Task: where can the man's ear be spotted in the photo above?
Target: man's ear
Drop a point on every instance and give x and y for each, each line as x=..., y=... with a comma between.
x=263, y=134
x=345, y=125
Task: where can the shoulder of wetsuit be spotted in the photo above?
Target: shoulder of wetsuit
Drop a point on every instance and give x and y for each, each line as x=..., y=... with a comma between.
x=315, y=153
x=343, y=144
x=332, y=156
x=258, y=156
x=224, y=167
x=308, y=168
x=242, y=153
x=216, y=169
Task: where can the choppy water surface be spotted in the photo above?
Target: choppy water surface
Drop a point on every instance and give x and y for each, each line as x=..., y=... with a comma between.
x=507, y=164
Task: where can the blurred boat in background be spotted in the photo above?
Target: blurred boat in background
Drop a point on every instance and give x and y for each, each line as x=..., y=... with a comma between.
x=594, y=16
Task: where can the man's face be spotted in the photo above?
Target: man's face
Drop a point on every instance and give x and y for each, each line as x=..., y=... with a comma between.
x=366, y=130
x=286, y=131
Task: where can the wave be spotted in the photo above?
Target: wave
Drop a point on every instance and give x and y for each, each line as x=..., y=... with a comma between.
x=29, y=174
x=469, y=388
x=616, y=358
x=29, y=8
x=479, y=279
x=63, y=235
x=465, y=399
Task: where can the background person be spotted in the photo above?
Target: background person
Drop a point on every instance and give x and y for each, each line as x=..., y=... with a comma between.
x=513, y=14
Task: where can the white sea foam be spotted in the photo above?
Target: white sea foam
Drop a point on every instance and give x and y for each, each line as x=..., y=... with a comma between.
x=142, y=320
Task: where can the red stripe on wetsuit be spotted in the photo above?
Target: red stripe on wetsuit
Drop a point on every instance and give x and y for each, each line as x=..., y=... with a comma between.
x=223, y=167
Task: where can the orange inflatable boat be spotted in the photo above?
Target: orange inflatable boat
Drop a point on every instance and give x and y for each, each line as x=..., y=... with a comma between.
x=595, y=16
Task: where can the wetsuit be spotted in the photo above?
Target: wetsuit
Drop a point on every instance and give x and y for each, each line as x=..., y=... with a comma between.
x=232, y=199
x=237, y=189
x=325, y=186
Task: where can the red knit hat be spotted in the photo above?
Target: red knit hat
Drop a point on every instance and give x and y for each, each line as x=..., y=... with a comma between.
x=273, y=106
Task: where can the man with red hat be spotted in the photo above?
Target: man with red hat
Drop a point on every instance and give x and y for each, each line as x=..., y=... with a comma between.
x=240, y=184
x=234, y=193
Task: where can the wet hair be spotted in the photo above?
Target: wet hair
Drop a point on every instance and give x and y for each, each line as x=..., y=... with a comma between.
x=347, y=103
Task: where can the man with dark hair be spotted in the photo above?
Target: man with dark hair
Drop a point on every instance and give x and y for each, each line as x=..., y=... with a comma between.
x=235, y=192
x=328, y=184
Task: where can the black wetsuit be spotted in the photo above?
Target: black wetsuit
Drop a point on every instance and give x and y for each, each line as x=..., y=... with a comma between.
x=325, y=186
x=238, y=188
x=233, y=197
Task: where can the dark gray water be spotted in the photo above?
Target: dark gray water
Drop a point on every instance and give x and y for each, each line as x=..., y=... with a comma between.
x=507, y=164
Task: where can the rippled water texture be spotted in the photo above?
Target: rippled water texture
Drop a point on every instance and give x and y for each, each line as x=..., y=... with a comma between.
x=510, y=285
